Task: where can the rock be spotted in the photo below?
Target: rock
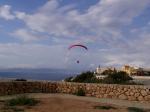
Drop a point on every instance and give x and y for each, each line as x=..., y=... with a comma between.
x=125, y=89
x=105, y=95
x=137, y=94
x=144, y=93
x=88, y=95
x=147, y=90
x=123, y=97
x=127, y=93
x=131, y=93
x=140, y=98
x=147, y=98
x=131, y=98
x=111, y=93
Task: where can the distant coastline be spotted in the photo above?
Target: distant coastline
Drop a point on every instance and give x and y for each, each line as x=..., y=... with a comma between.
x=35, y=74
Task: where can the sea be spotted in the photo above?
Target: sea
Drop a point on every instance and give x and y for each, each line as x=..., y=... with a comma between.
x=37, y=74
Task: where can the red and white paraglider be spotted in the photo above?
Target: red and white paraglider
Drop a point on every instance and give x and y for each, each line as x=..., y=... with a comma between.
x=77, y=45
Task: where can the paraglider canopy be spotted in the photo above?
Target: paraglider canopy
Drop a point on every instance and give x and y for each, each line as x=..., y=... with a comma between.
x=77, y=45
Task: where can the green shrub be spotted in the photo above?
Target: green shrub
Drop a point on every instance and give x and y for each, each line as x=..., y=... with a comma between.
x=14, y=109
x=109, y=71
x=135, y=109
x=104, y=107
x=117, y=78
x=11, y=109
x=113, y=77
x=80, y=92
x=83, y=77
x=20, y=80
x=22, y=100
x=93, y=80
x=69, y=79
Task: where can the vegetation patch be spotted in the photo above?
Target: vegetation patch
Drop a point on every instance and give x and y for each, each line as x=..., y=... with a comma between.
x=135, y=109
x=20, y=80
x=80, y=92
x=117, y=78
x=11, y=109
x=112, y=77
x=104, y=107
x=85, y=77
x=22, y=101
x=18, y=104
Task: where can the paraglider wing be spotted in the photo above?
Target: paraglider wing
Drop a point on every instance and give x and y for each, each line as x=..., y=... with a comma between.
x=78, y=45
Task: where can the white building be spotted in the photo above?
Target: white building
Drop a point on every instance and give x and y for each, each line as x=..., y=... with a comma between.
x=99, y=70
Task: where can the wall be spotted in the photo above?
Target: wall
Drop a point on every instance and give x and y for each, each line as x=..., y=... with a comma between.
x=125, y=92
x=7, y=88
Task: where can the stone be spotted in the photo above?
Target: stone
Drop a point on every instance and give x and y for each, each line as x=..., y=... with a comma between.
x=111, y=93
x=105, y=95
x=137, y=94
x=127, y=93
x=147, y=90
x=140, y=98
x=147, y=98
x=125, y=89
x=131, y=98
x=144, y=93
x=123, y=97
x=88, y=95
x=131, y=93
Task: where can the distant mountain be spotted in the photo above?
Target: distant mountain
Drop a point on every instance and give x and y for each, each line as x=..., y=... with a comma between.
x=37, y=73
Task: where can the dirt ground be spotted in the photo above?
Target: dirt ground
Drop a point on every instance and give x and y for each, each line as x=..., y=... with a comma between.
x=69, y=105
x=59, y=103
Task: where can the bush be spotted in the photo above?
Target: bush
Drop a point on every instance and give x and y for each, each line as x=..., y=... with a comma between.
x=80, y=92
x=117, y=78
x=113, y=77
x=104, y=107
x=20, y=80
x=109, y=71
x=135, y=109
x=11, y=109
x=69, y=79
x=84, y=77
x=93, y=80
x=22, y=100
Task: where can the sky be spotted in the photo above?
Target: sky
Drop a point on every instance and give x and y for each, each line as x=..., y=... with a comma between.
x=37, y=33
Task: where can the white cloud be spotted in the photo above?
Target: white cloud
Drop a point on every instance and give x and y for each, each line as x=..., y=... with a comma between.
x=116, y=12
x=102, y=21
x=20, y=15
x=33, y=55
x=102, y=24
x=5, y=12
x=26, y=35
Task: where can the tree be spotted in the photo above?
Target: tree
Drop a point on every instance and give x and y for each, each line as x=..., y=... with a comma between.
x=117, y=78
x=108, y=71
x=69, y=79
x=84, y=77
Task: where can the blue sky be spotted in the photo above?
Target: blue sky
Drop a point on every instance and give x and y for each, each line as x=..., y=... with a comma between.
x=37, y=33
